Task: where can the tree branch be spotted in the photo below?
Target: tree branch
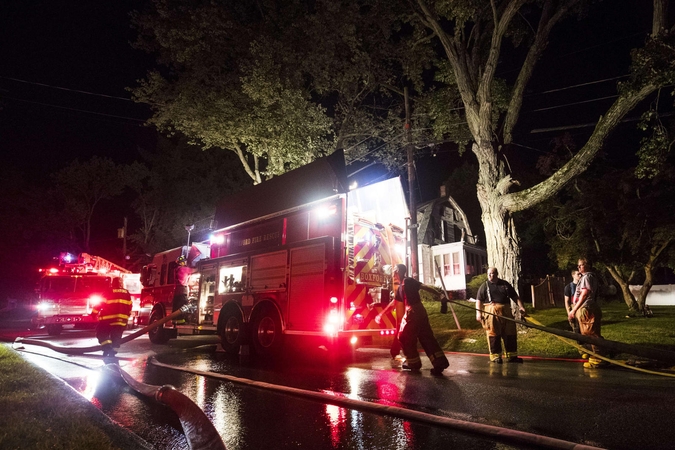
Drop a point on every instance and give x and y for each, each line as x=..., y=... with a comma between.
x=519, y=201
x=550, y=16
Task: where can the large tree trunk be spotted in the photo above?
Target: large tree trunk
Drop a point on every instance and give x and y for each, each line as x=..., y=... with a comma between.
x=501, y=240
x=475, y=77
x=503, y=245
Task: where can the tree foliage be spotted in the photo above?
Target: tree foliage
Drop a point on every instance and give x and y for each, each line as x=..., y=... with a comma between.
x=278, y=83
x=624, y=223
x=281, y=82
x=473, y=34
x=81, y=186
x=182, y=187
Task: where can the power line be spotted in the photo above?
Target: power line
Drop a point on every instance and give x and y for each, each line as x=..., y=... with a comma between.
x=578, y=85
x=76, y=110
x=66, y=89
x=591, y=124
x=574, y=103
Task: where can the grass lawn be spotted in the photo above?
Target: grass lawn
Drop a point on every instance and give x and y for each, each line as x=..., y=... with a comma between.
x=656, y=332
x=41, y=412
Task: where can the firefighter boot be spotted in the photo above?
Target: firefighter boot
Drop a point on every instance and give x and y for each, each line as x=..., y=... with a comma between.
x=412, y=364
x=440, y=366
x=595, y=363
x=108, y=351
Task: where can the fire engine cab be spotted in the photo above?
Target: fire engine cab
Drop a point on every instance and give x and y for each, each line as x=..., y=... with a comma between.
x=69, y=292
x=300, y=255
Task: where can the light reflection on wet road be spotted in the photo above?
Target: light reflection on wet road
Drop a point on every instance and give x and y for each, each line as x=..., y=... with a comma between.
x=555, y=399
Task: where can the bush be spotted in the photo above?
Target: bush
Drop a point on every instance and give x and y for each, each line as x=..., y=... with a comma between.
x=473, y=285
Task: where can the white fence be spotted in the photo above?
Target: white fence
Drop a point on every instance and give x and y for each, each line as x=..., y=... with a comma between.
x=659, y=294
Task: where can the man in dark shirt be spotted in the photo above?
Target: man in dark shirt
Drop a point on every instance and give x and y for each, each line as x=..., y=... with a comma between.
x=493, y=298
x=570, y=298
x=415, y=325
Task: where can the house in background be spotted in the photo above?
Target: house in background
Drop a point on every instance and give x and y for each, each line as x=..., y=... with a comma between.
x=446, y=241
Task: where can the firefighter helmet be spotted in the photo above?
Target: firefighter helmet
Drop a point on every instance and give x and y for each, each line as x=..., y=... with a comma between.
x=181, y=260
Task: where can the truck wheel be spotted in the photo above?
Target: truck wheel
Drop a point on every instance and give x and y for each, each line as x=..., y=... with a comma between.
x=266, y=333
x=231, y=333
x=158, y=335
x=54, y=330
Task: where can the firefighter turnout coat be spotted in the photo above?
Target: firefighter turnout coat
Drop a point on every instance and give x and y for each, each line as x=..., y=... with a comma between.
x=115, y=309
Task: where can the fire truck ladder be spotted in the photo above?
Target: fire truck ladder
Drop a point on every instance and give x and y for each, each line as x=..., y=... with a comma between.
x=91, y=263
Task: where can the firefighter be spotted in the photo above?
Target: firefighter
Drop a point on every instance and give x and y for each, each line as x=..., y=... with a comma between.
x=415, y=325
x=494, y=298
x=113, y=315
x=180, y=296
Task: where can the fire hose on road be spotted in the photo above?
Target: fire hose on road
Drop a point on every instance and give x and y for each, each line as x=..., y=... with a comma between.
x=192, y=418
x=187, y=309
x=494, y=432
x=199, y=431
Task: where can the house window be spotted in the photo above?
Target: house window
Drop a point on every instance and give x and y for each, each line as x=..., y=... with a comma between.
x=446, y=264
x=455, y=264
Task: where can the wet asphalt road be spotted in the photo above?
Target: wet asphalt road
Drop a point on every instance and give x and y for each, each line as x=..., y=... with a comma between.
x=615, y=409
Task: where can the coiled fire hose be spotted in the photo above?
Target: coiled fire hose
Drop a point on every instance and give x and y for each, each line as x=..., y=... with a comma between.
x=186, y=309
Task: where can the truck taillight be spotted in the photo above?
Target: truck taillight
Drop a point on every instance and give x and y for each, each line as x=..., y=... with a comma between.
x=332, y=322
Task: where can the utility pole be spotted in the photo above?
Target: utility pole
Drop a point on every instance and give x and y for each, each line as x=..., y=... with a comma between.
x=124, y=241
x=414, y=266
x=122, y=234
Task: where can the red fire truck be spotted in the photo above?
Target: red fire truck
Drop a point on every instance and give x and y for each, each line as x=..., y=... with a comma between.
x=319, y=268
x=68, y=293
x=159, y=286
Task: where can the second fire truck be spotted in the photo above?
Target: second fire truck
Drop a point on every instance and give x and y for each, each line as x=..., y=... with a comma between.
x=318, y=269
x=68, y=292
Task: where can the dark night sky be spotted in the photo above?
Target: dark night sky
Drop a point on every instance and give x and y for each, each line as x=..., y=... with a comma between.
x=76, y=46
x=84, y=45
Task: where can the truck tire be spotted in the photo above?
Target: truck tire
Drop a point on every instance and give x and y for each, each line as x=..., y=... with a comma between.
x=158, y=335
x=232, y=330
x=266, y=333
x=54, y=330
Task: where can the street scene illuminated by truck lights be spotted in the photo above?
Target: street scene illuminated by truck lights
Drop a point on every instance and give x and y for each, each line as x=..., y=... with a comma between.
x=337, y=224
